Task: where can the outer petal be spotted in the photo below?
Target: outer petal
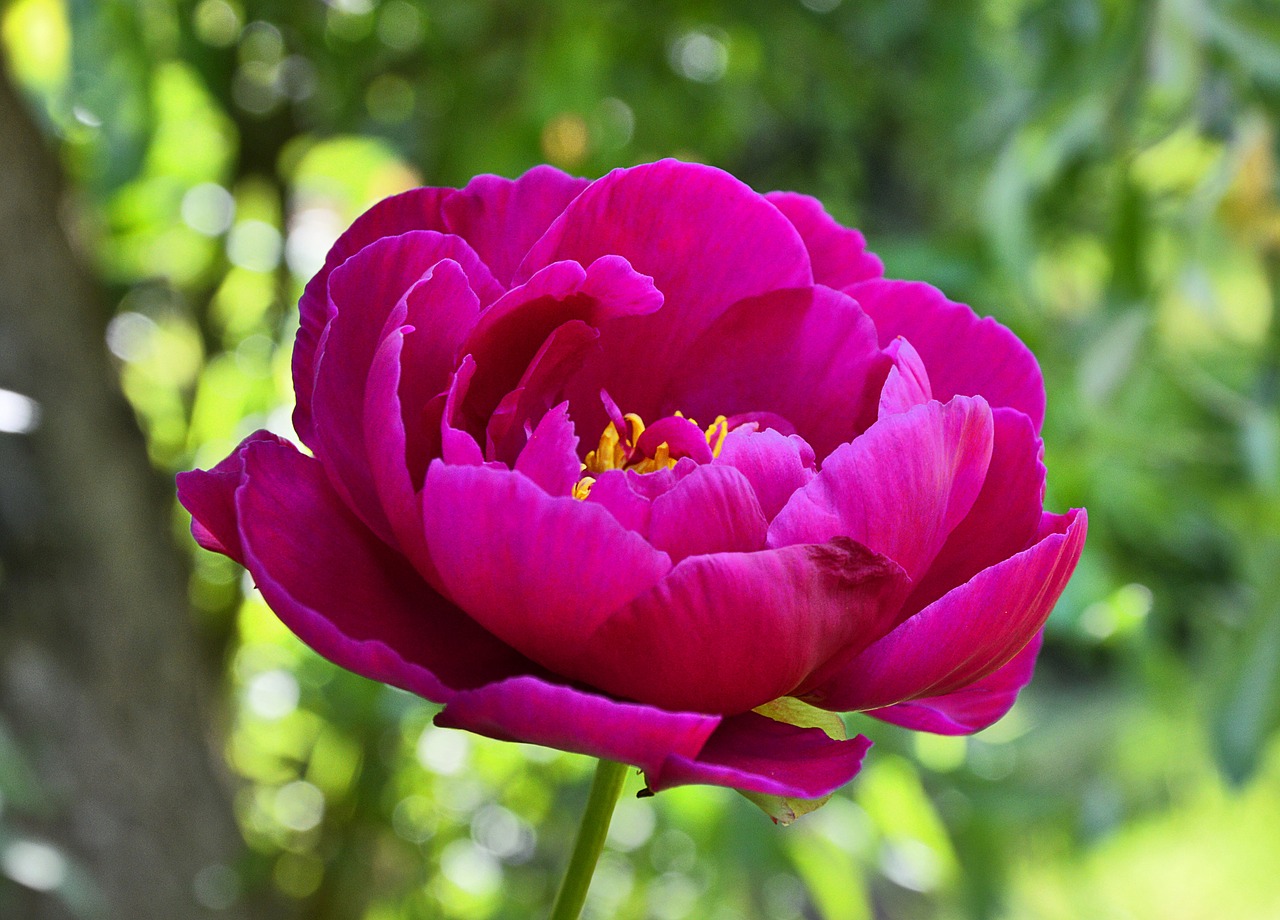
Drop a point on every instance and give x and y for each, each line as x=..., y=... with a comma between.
x=364, y=292
x=502, y=218
x=806, y=354
x=839, y=254
x=538, y=571
x=534, y=711
x=972, y=708
x=775, y=464
x=964, y=635
x=346, y=594
x=900, y=488
x=705, y=238
x=966, y=356
x=210, y=497
x=1004, y=518
x=731, y=631
x=757, y=754
x=417, y=209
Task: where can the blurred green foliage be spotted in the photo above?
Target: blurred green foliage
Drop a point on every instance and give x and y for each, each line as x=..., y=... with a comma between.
x=1101, y=175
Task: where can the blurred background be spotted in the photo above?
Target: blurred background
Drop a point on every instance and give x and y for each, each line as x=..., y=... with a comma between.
x=1100, y=175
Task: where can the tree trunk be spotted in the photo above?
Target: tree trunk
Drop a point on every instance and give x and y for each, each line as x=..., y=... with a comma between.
x=102, y=690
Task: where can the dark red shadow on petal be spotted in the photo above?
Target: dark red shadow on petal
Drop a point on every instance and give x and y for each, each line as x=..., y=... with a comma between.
x=965, y=635
x=731, y=631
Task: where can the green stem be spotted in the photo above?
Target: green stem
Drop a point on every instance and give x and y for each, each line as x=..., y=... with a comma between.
x=591, y=833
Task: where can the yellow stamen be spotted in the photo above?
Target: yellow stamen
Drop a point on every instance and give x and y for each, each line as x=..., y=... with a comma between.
x=611, y=453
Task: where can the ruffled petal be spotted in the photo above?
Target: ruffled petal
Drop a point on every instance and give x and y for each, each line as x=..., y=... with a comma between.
x=412, y=365
x=537, y=712
x=907, y=385
x=501, y=218
x=839, y=254
x=966, y=634
x=416, y=209
x=210, y=495
x=966, y=356
x=365, y=291
x=809, y=355
x=540, y=572
x=513, y=330
x=712, y=510
x=346, y=594
x=756, y=754
x=775, y=464
x=983, y=702
x=732, y=631
x=900, y=488
x=542, y=386
x=731, y=244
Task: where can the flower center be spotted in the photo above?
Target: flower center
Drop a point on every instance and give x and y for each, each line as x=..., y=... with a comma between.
x=659, y=446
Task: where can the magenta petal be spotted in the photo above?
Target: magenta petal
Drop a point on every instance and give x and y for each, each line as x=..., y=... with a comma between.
x=457, y=446
x=682, y=437
x=542, y=386
x=1004, y=518
x=514, y=328
x=616, y=490
x=732, y=631
x=501, y=218
x=757, y=754
x=384, y=425
x=964, y=635
x=209, y=495
x=540, y=572
x=971, y=708
x=706, y=239
x=442, y=310
x=776, y=465
x=839, y=254
x=550, y=457
x=348, y=596
x=966, y=356
x=900, y=488
x=712, y=510
x=534, y=711
x=809, y=355
x=417, y=209
x=907, y=385
x=365, y=291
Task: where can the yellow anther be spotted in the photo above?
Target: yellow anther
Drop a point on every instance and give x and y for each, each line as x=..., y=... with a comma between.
x=716, y=433
x=612, y=452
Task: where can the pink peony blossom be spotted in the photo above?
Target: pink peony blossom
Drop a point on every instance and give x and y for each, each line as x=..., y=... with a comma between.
x=608, y=466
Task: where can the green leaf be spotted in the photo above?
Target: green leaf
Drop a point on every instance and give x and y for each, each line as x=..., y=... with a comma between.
x=786, y=809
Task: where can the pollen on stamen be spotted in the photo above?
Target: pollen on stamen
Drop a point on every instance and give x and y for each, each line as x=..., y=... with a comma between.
x=614, y=453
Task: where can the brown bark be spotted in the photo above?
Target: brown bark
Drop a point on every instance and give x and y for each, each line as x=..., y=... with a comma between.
x=101, y=683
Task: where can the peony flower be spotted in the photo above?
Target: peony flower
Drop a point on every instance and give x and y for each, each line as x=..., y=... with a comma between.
x=652, y=468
